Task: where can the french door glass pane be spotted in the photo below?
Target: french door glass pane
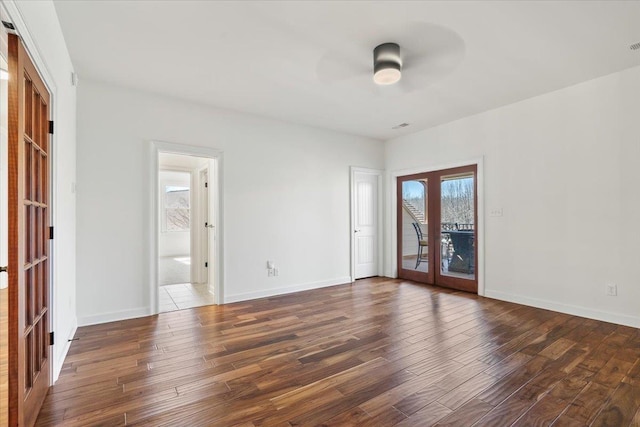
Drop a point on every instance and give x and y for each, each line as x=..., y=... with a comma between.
x=457, y=226
x=414, y=225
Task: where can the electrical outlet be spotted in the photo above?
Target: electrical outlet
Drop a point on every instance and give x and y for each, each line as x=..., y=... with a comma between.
x=496, y=212
x=612, y=290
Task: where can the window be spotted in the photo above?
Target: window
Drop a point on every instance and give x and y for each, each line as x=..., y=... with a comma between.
x=414, y=196
x=176, y=208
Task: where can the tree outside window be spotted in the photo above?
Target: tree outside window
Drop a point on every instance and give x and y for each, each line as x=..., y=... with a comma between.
x=176, y=208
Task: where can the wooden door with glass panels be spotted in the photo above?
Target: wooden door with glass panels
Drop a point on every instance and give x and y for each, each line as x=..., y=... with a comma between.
x=29, y=210
x=436, y=227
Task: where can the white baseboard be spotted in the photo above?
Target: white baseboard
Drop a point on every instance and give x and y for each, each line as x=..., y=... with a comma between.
x=144, y=311
x=286, y=290
x=605, y=316
x=64, y=349
x=113, y=316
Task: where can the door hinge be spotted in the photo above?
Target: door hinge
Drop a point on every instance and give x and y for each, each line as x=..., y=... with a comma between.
x=51, y=127
x=50, y=233
x=51, y=340
x=8, y=25
x=206, y=185
x=206, y=265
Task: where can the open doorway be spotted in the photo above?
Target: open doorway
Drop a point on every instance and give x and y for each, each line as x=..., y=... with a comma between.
x=184, y=233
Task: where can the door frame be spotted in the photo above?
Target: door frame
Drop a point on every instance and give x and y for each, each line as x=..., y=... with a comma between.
x=155, y=148
x=393, y=216
x=352, y=197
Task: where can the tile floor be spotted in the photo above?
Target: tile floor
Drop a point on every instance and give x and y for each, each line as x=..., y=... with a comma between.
x=184, y=295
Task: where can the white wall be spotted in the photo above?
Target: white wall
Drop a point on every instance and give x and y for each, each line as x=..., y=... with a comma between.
x=564, y=167
x=286, y=197
x=38, y=24
x=176, y=243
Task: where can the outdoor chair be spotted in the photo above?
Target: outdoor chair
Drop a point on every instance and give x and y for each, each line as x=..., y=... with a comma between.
x=421, y=242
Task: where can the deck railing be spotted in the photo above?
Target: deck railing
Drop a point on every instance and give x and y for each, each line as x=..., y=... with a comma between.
x=455, y=226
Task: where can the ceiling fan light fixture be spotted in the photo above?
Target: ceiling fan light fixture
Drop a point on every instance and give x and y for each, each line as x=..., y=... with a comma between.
x=387, y=65
x=387, y=74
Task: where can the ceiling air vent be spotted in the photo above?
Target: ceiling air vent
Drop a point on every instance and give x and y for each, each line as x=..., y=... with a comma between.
x=635, y=46
x=401, y=125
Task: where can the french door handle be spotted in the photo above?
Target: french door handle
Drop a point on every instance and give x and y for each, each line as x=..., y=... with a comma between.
x=3, y=269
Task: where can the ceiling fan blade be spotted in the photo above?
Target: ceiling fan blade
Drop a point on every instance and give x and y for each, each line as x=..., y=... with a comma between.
x=337, y=66
x=422, y=38
x=431, y=54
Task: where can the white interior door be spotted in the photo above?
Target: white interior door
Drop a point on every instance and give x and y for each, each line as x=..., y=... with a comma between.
x=365, y=224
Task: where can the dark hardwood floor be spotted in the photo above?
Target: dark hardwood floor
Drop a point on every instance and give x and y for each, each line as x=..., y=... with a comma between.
x=376, y=353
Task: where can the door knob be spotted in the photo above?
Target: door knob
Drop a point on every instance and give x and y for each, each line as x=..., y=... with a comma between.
x=356, y=231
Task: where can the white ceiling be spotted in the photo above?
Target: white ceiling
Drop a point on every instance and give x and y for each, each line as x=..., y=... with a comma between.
x=310, y=62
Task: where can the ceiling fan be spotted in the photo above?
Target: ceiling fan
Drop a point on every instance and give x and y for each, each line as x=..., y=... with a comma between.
x=411, y=58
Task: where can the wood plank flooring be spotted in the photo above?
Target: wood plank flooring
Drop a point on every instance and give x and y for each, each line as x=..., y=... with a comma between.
x=379, y=352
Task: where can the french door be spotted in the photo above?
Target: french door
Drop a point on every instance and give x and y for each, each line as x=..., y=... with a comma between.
x=436, y=227
x=29, y=210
